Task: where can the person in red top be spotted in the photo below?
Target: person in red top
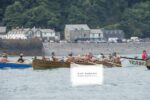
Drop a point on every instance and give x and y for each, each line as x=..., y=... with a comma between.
x=144, y=55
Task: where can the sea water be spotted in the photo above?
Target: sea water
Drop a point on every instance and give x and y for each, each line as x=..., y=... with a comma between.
x=128, y=83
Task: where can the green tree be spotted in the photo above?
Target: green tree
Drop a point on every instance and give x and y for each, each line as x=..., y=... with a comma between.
x=13, y=15
x=136, y=20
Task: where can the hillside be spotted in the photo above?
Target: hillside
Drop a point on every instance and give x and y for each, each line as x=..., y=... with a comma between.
x=132, y=16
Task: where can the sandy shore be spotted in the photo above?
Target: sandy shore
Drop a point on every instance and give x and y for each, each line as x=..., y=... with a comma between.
x=63, y=49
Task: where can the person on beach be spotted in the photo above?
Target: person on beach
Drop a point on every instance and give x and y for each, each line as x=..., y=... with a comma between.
x=144, y=55
x=4, y=58
x=20, y=60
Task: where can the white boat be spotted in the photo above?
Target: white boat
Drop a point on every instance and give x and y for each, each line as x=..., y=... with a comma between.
x=132, y=62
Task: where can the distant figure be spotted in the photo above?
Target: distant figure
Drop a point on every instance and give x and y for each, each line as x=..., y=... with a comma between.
x=4, y=58
x=144, y=55
x=21, y=60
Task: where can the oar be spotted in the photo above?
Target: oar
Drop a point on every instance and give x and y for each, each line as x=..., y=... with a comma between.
x=131, y=58
x=115, y=64
x=92, y=63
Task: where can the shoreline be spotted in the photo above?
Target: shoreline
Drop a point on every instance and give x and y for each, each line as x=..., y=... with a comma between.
x=63, y=49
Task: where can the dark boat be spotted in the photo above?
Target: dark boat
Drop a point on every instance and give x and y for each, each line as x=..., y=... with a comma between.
x=44, y=64
x=148, y=64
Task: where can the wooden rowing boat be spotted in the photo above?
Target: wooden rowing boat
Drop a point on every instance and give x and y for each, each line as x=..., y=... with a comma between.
x=14, y=65
x=106, y=63
x=43, y=64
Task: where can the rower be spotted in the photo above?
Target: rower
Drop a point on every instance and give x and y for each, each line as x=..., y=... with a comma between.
x=110, y=57
x=4, y=58
x=44, y=58
x=144, y=55
x=53, y=57
x=101, y=56
x=21, y=60
x=70, y=57
x=116, y=58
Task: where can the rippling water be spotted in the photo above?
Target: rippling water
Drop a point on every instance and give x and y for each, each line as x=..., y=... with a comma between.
x=129, y=83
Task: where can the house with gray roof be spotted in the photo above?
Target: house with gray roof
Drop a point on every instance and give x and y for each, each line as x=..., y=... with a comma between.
x=74, y=32
x=96, y=35
x=113, y=34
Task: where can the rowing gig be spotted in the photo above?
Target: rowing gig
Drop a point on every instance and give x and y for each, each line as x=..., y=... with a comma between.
x=43, y=64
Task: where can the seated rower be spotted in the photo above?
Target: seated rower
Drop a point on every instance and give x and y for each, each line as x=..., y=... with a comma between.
x=21, y=60
x=101, y=57
x=44, y=58
x=110, y=57
x=53, y=57
x=4, y=58
x=116, y=58
x=144, y=55
x=70, y=58
x=89, y=56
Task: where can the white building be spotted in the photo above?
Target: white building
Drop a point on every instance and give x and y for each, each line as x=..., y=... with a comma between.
x=25, y=33
x=43, y=34
x=18, y=33
x=96, y=34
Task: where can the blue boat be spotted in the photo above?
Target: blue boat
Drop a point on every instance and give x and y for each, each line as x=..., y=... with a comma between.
x=14, y=65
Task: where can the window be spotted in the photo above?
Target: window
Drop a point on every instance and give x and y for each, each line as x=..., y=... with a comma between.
x=99, y=34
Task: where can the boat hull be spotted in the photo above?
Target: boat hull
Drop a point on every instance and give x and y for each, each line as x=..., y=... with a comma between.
x=125, y=62
x=42, y=64
x=14, y=65
x=148, y=64
x=105, y=63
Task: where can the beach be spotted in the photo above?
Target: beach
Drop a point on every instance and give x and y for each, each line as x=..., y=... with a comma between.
x=62, y=49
